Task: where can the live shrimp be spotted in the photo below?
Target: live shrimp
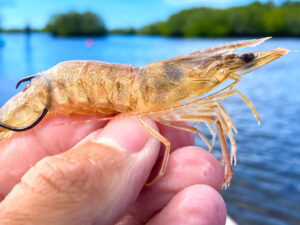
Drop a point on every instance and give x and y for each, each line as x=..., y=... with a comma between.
x=166, y=91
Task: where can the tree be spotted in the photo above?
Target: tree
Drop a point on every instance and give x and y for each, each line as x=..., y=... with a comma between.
x=255, y=19
x=76, y=24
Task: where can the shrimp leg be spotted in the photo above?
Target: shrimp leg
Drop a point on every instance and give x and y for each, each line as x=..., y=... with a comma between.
x=26, y=127
x=245, y=99
x=166, y=142
x=187, y=128
x=226, y=159
x=227, y=118
x=212, y=132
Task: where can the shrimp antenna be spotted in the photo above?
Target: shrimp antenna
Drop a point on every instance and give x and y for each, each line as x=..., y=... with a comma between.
x=25, y=79
x=27, y=127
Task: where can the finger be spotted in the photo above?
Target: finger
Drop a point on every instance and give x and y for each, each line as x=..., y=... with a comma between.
x=195, y=205
x=187, y=166
x=25, y=149
x=93, y=183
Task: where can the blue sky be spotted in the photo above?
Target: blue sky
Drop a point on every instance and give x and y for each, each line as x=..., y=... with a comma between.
x=116, y=13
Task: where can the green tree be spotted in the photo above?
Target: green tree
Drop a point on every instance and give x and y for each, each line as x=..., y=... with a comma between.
x=255, y=19
x=156, y=28
x=76, y=24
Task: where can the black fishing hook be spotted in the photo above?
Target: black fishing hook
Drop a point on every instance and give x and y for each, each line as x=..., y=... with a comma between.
x=25, y=79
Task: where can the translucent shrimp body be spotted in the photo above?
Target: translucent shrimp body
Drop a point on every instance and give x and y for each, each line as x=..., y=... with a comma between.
x=156, y=90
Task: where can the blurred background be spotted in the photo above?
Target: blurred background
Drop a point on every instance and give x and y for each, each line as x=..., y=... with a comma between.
x=36, y=35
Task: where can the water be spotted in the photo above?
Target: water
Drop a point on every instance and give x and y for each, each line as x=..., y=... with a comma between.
x=266, y=184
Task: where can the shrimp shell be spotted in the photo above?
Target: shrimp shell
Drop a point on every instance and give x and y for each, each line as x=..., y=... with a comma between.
x=166, y=91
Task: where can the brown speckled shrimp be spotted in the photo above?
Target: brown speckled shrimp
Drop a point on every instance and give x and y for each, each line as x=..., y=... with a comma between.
x=166, y=91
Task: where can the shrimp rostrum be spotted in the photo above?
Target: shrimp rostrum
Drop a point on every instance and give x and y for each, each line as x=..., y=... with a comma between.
x=167, y=91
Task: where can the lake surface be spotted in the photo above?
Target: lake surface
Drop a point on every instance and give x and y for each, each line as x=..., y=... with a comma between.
x=266, y=184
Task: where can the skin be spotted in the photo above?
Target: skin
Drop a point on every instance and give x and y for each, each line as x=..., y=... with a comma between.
x=94, y=173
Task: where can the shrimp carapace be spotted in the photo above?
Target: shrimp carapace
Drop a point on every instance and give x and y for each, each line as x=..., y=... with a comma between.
x=167, y=91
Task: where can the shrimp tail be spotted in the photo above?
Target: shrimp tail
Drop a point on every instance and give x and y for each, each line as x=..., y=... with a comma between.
x=26, y=109
x=18, y=129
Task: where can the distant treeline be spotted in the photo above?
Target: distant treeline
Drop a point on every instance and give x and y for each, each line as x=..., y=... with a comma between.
x=76, y=24
x=256, y=19
x=130, y=30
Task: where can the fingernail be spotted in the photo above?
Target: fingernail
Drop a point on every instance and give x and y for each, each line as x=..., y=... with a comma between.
x=126, y=134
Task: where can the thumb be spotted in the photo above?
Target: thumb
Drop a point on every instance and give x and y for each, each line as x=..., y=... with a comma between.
x=93, y=183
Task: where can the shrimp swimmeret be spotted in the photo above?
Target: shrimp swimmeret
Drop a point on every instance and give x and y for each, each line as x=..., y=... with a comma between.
x=166, y=91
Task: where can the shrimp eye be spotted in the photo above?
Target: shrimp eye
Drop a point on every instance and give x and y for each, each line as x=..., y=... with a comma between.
x=247, y=57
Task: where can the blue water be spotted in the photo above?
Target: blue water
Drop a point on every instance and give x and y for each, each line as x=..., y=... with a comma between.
x=266, y=184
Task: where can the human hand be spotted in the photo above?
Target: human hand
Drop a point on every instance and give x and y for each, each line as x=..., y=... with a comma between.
x=101, y=179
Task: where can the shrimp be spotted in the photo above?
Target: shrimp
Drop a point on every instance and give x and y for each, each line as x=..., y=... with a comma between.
x=166, y=91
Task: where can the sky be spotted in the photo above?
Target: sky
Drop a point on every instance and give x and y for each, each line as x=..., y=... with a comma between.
x=115, y=13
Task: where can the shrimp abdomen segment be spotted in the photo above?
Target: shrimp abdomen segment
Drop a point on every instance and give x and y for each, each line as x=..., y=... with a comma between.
x=91, y=87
